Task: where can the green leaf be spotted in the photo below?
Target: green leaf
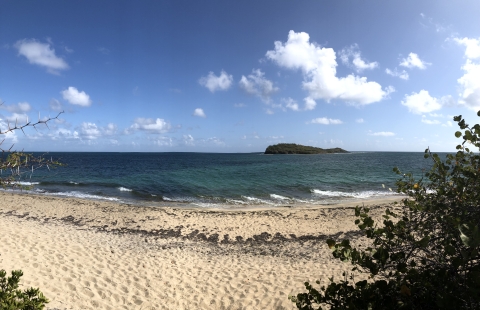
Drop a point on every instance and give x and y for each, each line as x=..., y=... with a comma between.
x=458, y=134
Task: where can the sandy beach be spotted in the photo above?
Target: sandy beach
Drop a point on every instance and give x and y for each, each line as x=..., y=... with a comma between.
x=86, y=254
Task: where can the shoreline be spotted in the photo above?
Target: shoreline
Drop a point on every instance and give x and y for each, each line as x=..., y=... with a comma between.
x=224, y=207
x=86, y=254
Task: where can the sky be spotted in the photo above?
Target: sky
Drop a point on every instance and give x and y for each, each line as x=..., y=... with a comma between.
x=237, y=76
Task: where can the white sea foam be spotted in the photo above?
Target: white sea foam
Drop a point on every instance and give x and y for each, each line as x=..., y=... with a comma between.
x=278, y=197
x=236, y=202
x=71, y=182
x=166, y=198
x=83, y=195
x=25, y=183
x=359, y=195
x=124, y=189
x=257, y=200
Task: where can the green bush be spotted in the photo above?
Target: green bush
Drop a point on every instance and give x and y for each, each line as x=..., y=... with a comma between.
x=11, y=298
x=425, y=256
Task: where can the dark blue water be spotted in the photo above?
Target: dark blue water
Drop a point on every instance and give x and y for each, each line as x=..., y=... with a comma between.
x=225, y=180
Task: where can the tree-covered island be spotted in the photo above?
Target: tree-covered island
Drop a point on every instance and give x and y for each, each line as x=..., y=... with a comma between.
x=292, y=148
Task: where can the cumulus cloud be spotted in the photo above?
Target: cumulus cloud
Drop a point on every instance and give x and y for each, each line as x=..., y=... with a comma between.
x=422, y=102
x=472, y=50
x=291, y=104
x=89, y=131
x=403, y=75
x=199, y=112
x=214, y=83
x=21, y=107
x=151, y=125
x=470, y=85
x=325, y=121
x=110, y=130
x=256, y=84
x=41, y=54
x=357, y=61
x=76, y=97
x=318, y=65
x=413, y=61
x=470, y=81
x=359, y=120
x=382, y=134
x=63, y=134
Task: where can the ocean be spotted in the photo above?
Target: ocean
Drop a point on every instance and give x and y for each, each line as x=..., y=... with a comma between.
x=212, y=180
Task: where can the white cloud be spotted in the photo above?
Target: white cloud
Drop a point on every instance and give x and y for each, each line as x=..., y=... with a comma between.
x=325, y=121
x=150, y=125
x=163, y=141
x=429, y=20
x=17, y=118
x=422, y=102
x=111, y=129
x=10, y=137
x=360, y=120
x=89, y=131
x=73, y=96
x=470, y=81
x=472, y=50
x=239, y=105
x=430, y=122
x=310, y=104
x=403, y=75
x=63, y=134
x=41, y=54
x=413, y=61
x=382, y=134
x=199, y=112
x=21, y=107
x=319, y=67
x=470, y=85
x=256, y=84
x=291, y=104
x=215, y=141
x=214, y=83
x=357, y=60
x=188, y=140
x=447, y=124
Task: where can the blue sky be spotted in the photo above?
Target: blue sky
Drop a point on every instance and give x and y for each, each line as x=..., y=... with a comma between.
x=237, y=76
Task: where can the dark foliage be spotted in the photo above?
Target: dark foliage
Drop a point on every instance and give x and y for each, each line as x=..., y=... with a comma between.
x=292, y=148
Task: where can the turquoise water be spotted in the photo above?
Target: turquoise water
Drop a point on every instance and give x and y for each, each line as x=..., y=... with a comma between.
x=225, y=180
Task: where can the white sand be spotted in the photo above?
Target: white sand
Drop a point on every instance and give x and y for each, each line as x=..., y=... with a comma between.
x=86, y=254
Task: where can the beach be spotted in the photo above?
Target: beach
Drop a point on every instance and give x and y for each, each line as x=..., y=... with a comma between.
x=90, y=254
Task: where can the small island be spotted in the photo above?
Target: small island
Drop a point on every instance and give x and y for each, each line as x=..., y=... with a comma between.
x=292, y=148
